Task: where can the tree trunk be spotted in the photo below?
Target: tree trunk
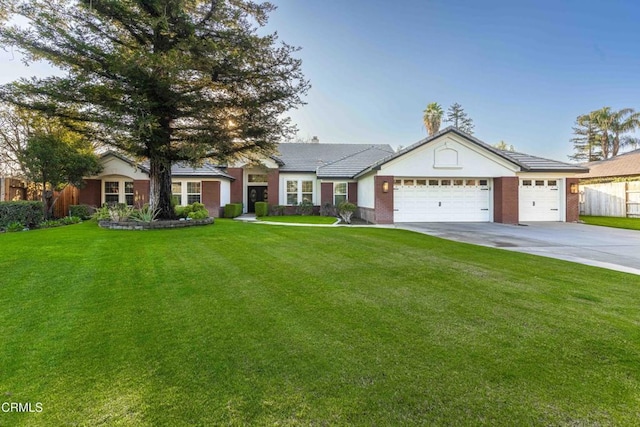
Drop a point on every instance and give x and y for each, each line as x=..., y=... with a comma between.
x=160, y=188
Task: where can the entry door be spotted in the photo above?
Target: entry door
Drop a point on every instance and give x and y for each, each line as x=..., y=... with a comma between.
x=256, y=194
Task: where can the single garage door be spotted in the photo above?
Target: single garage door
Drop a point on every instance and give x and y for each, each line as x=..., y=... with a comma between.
x=442, y=200
x=539, y=200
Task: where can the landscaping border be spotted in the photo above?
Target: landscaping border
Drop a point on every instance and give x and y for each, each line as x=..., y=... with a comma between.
x=155, y=225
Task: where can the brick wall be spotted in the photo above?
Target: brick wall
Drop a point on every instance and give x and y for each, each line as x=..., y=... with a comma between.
x=90, y=194
x=237, y=186
x=273, y=182
x=383, y=201
x=573, y=201
x=505, y=199
x=211, y=197
x=326, y=193
x=141, y=189
x=353, y=192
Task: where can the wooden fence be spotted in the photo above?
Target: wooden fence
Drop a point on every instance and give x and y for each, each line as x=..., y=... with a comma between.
x=621, y=199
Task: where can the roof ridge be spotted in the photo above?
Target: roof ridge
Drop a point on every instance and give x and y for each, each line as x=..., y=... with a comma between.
x=369, y=147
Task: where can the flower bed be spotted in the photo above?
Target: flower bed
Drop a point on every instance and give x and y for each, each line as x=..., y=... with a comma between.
x=135, y=225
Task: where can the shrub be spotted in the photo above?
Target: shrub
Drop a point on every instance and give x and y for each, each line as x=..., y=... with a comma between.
x=328, y=209
x=14, y=226
x=346, y=210
x=68, y=220
x=232, y=210
x=120, y=212
x=81, y=211
x=145, y=214
x=26, y=213
x=50, y=223
x=199, y=214
x=305, y=208
x=102, y=213
x=262, y=208
x=277, y=210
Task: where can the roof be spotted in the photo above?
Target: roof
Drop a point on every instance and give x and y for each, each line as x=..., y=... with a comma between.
x=180, y=169
x=627, y=164
x=525, y=162
x=330, y=160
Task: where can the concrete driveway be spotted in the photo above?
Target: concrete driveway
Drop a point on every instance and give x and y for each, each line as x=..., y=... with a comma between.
x=611, y=248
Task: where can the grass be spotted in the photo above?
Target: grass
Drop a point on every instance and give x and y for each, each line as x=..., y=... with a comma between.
x=611, y=221
x=300, y=219
x=240, y=324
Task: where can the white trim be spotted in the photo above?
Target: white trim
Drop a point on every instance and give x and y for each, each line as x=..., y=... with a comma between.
x=122, y=196
x=184, y=195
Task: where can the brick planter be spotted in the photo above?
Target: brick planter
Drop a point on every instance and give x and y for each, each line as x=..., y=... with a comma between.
x=134, y=225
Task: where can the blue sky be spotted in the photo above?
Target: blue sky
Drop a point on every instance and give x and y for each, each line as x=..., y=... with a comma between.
x=522, y=70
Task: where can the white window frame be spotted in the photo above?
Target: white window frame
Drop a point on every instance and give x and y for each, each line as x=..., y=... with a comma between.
x=184, y=190
x=298, y=190
x=345, y=194
x=122, y=187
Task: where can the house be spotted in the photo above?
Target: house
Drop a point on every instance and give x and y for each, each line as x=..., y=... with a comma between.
x=449, y=176
x=612, y=186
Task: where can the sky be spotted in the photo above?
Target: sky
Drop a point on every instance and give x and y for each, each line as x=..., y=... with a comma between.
x=522, y=70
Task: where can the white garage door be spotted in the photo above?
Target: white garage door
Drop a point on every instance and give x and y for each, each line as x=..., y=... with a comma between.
x=539, y=200
x=441, y=200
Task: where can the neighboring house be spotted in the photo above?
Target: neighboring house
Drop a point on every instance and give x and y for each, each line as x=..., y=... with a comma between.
x=449, y=176
x=612, y=186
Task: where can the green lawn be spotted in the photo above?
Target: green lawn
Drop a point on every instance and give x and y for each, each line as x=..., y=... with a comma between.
x=611, y=221
x=300, y=219
x=243, y=324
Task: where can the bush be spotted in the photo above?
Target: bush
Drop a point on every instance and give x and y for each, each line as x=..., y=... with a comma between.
x=186, y=211
x=199, y=214
x=68, y=220
x=232, y=210
x=328, y=209
x=81, y=211
x=262, y=208
x=277, y=210
x=50, y=223
x=14, y=226
x=305, y=208
x=102, y=213
x=145, y=214
x=28, y=214
x=346, y=210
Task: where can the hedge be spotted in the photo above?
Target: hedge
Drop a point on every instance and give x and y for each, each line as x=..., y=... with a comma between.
x=262, y=208
x=81, y=211
x=26, y=213
x=232, y=210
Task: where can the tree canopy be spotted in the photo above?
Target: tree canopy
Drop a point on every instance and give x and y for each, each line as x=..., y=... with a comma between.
x=459, y=118
x=432, y=117
x=166, y=80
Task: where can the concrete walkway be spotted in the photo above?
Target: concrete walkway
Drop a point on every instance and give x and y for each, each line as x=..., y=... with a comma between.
x=611, y=248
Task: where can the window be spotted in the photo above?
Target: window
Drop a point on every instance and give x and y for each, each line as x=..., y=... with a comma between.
x=552, y=183
x=397, y=182
x=483, y=182
x=408, y=182
x=339, y=193
x=526, y=182
x=185, y=193
x=298, y=191
x=540, y=183
x=471, y=182
x=176, y=193
x=434, y=182
x=458, y=181
x=119, y=191
x=111, y=192
x=193, y=192
x=421, y=182
x=446, y=182
x=258, y=178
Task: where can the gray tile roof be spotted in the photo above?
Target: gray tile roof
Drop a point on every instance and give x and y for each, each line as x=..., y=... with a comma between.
x=626, y=164
x=524, y=161
x=178, y=170
x=330, y=160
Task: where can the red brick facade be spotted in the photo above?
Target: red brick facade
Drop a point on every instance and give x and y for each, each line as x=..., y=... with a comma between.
x=211, y=197
x=326, y=193
x=237, y=186
x=573, y=201
x=273, y=181
x=505, y=199
x=91, y=193
x=141, y=189
x=353, y=192
x=383, y=201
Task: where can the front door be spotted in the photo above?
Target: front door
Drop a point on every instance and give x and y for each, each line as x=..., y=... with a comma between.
x=256, y=194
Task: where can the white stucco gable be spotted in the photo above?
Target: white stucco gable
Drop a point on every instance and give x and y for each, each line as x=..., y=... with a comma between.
x=115, y=166
x=449, y=155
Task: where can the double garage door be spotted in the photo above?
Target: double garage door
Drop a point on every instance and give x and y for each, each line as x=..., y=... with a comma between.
x=442, y=200
x=469, y=200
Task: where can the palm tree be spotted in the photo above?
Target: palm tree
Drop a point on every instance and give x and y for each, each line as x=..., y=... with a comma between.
x=625, y=120
x=432, y=117
x=603, y=119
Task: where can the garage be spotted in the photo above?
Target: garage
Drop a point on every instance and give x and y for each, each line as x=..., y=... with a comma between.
x=442, y=200
x=539, y=200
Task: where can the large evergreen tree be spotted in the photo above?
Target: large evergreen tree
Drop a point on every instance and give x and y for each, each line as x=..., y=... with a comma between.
x=165, y=80
x=586, y=140
x=459, y=118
